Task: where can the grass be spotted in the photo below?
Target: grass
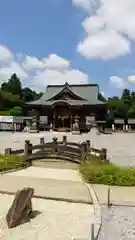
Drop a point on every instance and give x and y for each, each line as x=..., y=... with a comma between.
x=96, y=171
x=11, y=162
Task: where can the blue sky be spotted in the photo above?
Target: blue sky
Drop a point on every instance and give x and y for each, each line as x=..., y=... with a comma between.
x=53, y=41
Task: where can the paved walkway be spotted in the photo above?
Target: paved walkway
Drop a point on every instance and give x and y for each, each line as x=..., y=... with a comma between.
x=59, y=184
x=47, y=188
x=70, y=217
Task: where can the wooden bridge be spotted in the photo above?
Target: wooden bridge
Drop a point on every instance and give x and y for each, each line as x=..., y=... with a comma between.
x=70, y=151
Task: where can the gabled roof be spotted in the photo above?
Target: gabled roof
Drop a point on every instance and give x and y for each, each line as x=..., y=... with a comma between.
x=85, y=94
x=67, y=88
x=86, y=91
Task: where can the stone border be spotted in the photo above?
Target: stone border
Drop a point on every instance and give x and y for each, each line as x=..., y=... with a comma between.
x=60, y=199
x=97, y=218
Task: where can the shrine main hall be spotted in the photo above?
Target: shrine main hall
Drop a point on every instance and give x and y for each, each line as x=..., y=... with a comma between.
x=61, y=105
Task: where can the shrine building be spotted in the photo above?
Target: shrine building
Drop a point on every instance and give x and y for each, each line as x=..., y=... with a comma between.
x=60, y=105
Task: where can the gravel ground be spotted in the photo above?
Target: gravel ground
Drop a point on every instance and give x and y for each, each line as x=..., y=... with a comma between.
x=118, y=223
x=54, y=221
x=120, y=146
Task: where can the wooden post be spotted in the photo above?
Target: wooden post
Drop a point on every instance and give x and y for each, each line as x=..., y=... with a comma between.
x=85, y=148
x=54, y=145
x=109, y=197
x=83, y=151
x=88, y=146
x=92, y=232
x=64, y=140
x=42, y=142
x=103, y=154
x=8, y=151
x=27, y=148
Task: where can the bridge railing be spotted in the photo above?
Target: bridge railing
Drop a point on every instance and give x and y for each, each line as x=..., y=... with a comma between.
x=72, y=151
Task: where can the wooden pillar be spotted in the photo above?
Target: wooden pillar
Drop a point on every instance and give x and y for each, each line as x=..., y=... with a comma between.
x=53, y=119
x=71, y=122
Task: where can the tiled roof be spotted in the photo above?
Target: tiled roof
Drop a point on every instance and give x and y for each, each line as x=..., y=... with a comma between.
x=88, y=93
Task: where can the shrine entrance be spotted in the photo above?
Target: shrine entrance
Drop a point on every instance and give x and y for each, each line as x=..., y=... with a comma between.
x=62, y=117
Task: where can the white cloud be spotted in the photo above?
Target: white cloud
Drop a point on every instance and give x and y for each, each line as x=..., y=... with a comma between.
x=37, y=73
x=112, y=24
x=104, y=44
x=131, y=79
x=5, y=53
x=50, y=76
x=92, y=24
x=32, y=63
x=13, y=67
x=55, y=62
x=117, y=82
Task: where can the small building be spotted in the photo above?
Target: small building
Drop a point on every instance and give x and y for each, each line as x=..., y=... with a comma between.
x=61, y=105
x=119, y=123
x=131, y=123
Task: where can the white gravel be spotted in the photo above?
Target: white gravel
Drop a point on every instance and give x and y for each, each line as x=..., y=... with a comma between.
x=55, y=221
x=118, y=223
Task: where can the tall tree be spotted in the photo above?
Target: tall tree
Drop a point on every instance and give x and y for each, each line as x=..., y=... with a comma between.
x=126, y=96
x=14, y=85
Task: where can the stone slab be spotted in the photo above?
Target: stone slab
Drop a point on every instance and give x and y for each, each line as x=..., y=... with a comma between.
x=47, y=188
x=49, y=173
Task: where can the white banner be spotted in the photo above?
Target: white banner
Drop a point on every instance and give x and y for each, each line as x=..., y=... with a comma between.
x=9, y=126
x=6, y=119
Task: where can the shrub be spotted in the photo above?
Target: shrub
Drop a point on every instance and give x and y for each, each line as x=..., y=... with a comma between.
x=97, y=171
x=11, y=162
x=16, y=111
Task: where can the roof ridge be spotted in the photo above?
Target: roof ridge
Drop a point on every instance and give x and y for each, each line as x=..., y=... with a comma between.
x=74, y=85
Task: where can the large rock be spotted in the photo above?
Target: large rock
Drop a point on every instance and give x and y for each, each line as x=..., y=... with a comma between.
x=21, y=207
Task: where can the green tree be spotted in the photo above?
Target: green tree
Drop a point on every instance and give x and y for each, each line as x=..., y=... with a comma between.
x=14, y=85
x=126, y=96
x=28, y=95
x=16, y=111
x=118, y=108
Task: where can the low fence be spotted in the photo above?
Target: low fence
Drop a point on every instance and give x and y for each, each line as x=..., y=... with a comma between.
x=71, y=151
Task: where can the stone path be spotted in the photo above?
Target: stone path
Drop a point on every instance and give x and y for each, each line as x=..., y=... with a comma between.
x=55, y=163
x=48, y=183
x=47, y=188
x=67, y=218
x=54, y=220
